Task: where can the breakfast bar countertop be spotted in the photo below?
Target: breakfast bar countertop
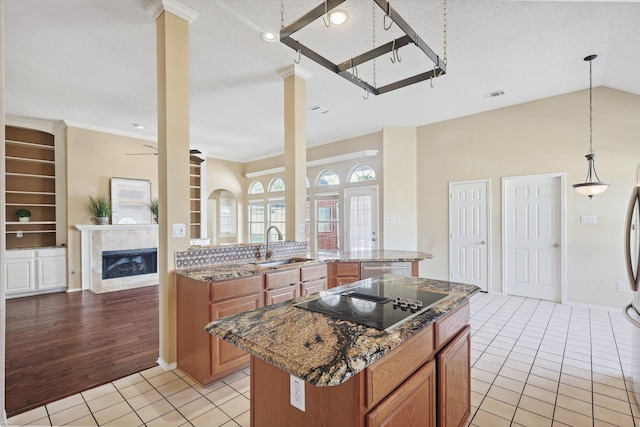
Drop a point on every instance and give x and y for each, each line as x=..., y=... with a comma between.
x=235, y=270
x=323, y=350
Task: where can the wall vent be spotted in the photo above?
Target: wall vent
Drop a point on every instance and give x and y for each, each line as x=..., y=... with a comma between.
x=319, y=109
x=494, y=94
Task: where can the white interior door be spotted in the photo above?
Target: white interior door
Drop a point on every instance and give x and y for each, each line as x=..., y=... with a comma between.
x=469, y=232
x=532, y=234
x=361, y=219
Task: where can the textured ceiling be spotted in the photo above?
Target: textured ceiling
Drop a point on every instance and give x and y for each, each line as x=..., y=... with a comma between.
x=92, y=63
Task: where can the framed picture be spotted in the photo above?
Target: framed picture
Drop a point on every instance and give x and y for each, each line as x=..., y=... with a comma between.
x=130, y=200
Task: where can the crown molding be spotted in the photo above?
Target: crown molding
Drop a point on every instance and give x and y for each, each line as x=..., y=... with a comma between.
x=111, y=131
x=294, y=69
x=156, y=7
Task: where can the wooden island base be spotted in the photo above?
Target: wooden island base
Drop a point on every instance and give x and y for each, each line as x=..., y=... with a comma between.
x=425, y=382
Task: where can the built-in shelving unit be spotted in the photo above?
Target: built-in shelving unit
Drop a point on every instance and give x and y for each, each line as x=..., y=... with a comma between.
x=195, y=199
x=30, y=184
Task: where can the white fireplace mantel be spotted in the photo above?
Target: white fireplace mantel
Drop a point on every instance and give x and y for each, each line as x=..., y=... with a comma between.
x=98, y=238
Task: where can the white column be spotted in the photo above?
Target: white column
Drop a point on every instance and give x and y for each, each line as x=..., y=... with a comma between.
x=172, y=30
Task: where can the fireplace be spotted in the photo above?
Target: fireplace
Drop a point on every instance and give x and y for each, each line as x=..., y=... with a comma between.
x=130, y=262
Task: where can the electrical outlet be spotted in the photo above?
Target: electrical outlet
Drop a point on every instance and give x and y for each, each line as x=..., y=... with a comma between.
x=19, y=234
x=621, y=287
x=179, y=230
x=296, y=388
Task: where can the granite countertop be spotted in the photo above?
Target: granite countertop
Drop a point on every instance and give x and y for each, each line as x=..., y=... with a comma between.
x=235, y=270
x=323, y=350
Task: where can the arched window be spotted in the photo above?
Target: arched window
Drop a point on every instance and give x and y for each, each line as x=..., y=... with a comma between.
x=256, y=187
x=277, y=184
x=328, y=177
x=362, y=173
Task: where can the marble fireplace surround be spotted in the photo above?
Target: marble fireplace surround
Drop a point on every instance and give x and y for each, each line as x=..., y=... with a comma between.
x=98, y=238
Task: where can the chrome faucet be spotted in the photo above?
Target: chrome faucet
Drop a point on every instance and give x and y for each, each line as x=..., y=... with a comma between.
x=266, y=238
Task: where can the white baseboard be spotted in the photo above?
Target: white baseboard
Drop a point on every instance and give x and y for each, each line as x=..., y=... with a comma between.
x=167, y=366
x=3, y=421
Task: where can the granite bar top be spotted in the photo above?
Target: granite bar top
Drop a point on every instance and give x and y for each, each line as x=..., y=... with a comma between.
x=235, y=270
x=322, y=350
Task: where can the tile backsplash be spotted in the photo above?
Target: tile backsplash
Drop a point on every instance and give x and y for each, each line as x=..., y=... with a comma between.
x=212, y=255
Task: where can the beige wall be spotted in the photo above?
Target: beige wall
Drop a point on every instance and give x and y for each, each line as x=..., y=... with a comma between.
x=92, y=159
x=399, y=219
x=227, y=175
x=549, y=135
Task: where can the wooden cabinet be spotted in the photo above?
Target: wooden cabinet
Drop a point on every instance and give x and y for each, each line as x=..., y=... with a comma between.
x=417, y=384
x=344, y=273
x=281, y=286
x=412, y=404
x=30, y=179
x=281, y=294
x=226, y=357
x=200, y=355
x=313, y=279
x=454, y=381
x=35, y=271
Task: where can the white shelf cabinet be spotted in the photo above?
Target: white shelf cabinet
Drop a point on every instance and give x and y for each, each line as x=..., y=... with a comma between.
x=33, y=271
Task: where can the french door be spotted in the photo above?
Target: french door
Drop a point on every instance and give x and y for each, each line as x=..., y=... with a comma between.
x=361, y=218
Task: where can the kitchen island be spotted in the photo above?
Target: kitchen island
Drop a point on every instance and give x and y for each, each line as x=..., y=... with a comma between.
x=417, y=373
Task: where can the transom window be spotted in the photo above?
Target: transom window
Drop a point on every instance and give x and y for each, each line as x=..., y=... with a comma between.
x=362, y=173
x=277, y=184
x=328, y=177
x=256, y=187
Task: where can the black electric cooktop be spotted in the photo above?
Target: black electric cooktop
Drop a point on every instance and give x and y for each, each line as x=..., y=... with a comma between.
x=375, y=304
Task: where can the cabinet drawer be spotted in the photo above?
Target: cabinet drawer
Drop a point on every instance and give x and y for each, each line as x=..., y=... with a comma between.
x=348, y=269
x=280, y=279
x=283, y=294
x=448, y=327
x=387, y=373
x=313, y=287
x=313, y=272
x=236, y=288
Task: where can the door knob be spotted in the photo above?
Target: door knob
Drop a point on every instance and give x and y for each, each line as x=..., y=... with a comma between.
x=483, y=242
x=373, y=239
x=556, y=245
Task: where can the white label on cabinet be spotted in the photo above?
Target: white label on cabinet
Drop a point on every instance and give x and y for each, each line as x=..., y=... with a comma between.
x=296, y=388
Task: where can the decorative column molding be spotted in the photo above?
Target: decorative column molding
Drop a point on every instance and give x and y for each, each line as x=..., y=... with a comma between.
x=156, y=7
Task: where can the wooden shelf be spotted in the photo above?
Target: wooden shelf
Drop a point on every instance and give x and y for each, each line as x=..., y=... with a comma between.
x=30, y=177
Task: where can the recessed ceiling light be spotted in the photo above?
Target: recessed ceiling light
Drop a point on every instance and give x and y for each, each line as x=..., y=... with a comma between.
x=268, y=36
x=137, y=126
x=338, y=17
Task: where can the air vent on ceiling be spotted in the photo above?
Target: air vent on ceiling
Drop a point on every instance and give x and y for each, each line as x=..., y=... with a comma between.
x=319, y=109
x=493, y=94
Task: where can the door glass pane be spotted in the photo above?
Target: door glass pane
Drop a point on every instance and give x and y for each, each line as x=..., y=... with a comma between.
x=327, y=224
x=256, y=221
x=361, y=222
x=277, y=213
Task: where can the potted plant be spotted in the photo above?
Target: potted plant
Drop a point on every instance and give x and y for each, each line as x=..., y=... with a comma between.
x=23, y=215
x=100, y=208
x=154, y=209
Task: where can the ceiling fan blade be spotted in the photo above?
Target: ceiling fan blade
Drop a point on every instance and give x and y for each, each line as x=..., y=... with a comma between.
x=150, y=146
x=196, y=159
x=195, y=151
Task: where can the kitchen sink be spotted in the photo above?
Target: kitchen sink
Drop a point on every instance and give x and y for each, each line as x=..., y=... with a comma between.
x=276, y=263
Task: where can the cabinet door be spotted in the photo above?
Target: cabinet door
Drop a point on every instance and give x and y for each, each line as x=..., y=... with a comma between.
x=226, y=356
x=411, y=404
x=454, y=381
x=313, y=287
x=51, y=272
x=19, y=275
x=282, y=294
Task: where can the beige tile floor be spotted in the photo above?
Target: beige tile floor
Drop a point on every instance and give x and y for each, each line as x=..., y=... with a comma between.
x=534, y=363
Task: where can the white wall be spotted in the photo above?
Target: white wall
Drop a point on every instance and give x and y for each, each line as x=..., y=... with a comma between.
x=549, y=135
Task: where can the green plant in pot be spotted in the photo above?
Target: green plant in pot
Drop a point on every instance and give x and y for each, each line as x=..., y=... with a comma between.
x=23, y=215
x=154, y=209
x=100, y=208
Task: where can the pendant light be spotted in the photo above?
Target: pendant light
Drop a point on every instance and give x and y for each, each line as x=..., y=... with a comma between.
x=592, y=185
